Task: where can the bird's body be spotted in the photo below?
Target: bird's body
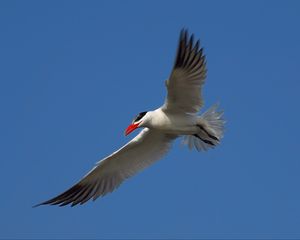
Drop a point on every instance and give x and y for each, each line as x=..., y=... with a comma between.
x=178, y=117
x=172, y=123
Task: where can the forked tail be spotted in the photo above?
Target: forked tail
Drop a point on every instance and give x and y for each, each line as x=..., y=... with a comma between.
x=211, y=129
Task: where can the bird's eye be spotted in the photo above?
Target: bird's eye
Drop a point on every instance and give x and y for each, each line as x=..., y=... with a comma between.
x=139, y=116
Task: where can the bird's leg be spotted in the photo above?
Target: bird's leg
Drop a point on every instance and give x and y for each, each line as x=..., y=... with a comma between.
x=207, y=133
x=204, y=140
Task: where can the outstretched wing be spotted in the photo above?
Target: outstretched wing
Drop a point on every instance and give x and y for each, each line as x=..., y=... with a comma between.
x=187, y=77
x=147, y=147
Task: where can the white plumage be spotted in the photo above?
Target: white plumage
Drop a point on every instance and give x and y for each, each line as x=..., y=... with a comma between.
x=177, y=117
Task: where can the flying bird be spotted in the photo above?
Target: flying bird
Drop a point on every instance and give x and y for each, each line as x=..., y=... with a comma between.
x=177, y=117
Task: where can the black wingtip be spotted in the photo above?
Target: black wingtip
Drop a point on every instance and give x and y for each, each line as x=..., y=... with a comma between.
x=49, y=202
x=184, y=31
x=79, y=193
x=189, y=56
x=37, y=205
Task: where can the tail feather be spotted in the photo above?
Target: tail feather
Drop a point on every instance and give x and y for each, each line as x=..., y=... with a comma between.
x=212, y=133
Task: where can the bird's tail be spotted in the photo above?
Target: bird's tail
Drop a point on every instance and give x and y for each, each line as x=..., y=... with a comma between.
x=211, y=129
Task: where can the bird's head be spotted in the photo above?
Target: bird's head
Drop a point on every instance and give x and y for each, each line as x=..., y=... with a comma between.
x=138, y=121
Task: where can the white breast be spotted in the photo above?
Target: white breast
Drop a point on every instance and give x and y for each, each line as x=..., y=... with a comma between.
x=178, y=124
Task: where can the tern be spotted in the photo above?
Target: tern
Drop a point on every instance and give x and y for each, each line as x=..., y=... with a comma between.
x=177, y=117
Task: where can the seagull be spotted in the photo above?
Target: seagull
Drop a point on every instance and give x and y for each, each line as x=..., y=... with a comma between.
x=177, y=117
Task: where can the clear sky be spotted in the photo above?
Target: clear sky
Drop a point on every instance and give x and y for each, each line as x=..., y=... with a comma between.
x=73, y=75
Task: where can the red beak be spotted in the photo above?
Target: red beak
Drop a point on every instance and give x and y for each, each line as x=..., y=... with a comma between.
x=131, y=128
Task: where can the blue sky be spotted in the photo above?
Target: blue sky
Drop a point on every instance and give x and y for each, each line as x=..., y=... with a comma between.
x=74, y=74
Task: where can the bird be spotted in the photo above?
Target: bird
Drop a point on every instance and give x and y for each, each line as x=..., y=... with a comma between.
x=178, y=117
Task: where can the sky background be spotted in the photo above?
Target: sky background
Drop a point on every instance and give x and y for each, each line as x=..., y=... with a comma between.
x=74, y=74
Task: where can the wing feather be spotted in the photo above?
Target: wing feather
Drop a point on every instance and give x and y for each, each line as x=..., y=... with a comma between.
x=147, y=147
x=187, y=77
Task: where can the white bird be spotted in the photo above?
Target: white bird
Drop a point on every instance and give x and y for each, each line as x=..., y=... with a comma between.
x=177, y=117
